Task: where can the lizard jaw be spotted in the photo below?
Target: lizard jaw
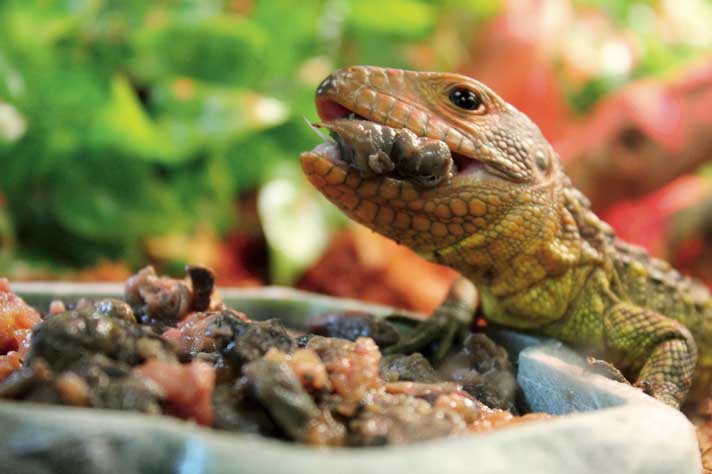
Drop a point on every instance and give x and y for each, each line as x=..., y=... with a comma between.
x=425, y=219
x=393, y=207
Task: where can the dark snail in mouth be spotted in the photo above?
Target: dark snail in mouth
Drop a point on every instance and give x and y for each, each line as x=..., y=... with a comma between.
x=375, y=149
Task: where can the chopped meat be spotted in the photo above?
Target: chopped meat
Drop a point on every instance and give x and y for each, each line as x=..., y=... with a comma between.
x=480, y=417
x=306, y=364
x=352, y=367
x=9, y=363
x=16, y=318
x=354, y=324
x=422, y=390
x=470, y=410
x=503, y=418
x=16, y=321
x=187, y=388
x=191, y=334
x=73, y=389
x=57, y=307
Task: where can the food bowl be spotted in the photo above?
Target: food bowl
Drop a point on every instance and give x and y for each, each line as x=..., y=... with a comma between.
x=604, y=426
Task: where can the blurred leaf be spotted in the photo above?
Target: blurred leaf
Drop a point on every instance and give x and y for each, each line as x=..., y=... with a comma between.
x=205, y=189
x=617, y=9
x=12, y=84
x=297, y=37
x=401, y=19
x=59, y=113
x=480, y=10
x=37, y=23
x=7, y=230
x=660, y=59
x=254, y=159
x=110, y=197
x=225, y=49
x=294, y=224
x=196, y=113
x=124, y=124
x=584, y=98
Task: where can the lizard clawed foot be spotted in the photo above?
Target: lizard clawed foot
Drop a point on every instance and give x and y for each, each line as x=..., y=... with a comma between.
x=606, y=369
x=448, y=323
x=668, y=393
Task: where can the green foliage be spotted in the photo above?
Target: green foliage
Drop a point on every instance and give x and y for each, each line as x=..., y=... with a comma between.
x=583, y=99
x=124, y=119
x=375, y=17
x=221, y=48
x=128, y=119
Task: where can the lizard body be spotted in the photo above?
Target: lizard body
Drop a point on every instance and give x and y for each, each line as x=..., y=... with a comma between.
x=510, y=221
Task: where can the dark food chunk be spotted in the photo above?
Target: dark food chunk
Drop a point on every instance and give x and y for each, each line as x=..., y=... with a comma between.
x=110, y=307
x=192, y=337
x=94, y=381
x=399, y=419
x=163, y=301
x=113, y=385
x=484, y=370
x=377, y=149
x=157, y=300
x=414, y=367
x=354, y=324
x=202, y=282
x=237, y=410
x=278, y=390
x=65, y=338
x=241, y=342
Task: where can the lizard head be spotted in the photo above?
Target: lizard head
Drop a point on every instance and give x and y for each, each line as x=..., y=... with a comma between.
x=505, y=174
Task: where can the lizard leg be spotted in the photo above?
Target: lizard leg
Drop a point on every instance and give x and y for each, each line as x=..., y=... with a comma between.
x=442, y=327
x=661, y=348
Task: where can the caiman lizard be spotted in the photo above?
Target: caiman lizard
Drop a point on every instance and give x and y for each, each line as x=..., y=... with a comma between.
x=510, y=221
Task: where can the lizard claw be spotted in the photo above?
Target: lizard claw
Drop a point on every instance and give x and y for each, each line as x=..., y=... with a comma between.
x=664, y=392
x=606, y=369
x=448, y=323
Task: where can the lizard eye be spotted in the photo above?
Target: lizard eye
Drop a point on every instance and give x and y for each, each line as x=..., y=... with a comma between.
x=465, y=98
x=541, y=161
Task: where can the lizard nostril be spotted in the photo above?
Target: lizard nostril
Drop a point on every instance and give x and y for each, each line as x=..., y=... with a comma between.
x=326, y=85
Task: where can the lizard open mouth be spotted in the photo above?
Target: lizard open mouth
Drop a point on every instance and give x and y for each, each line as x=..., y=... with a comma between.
x=374, y=148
